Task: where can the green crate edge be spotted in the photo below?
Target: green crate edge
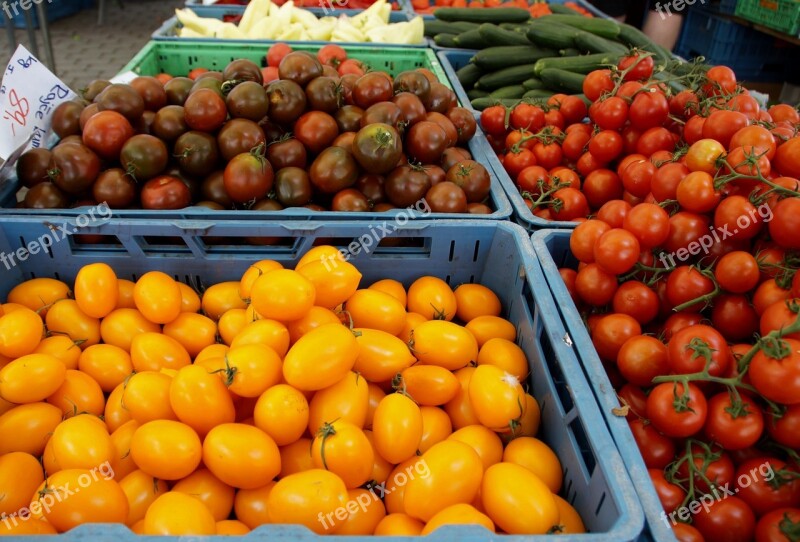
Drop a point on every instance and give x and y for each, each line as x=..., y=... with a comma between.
x=755, y=13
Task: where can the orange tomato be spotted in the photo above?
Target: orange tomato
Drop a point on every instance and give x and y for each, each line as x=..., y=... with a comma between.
x=122, y=463
x=192, y=331
x=146, y=397
x=395, y=488
x=490, y=327
x=250, y=505
x=82, y=442
x=61, y=347
x=376, y=310
x=343, y=449
x=445, y=344
x=399, y=524
x=122, y=325
x=346, y=400
x=433, y=298
x=304, y=497
x=49, y=462
x=380, y=355
x=166, y=449
x=190, y=301
x=268, y=332
x=475, y=300
x=125, y=289
x=436, y=427
x=200, y=399
x=231, y=324
x=517, y=500
x=220, y=298
x=155, y=351
x=296, y=457
x=375, y=395
x=216, y=350
x=141, y=490
x=107, y=364
x=413, y=319
x=506, y=355
x=364, y=515
x=537, y=457
x=210, y=490
x=397, y=428
x=252, y=368
x=484, y=441
x=79, y=393
x=20, y=475
x=315, y=317
x=22, y=330
x=381, y=469
x=392, y=287
x=175, y=514
x=454, y=476
x=497, y=398
x=458, y=514
x=529, y=423
x=320, y=253
x=16, y=527
x=282, y=413
x=282, y=295
x=38, y=294
x=5, y=406
x=252, y=273
x=334, y=282
x=115, y=414
x=31, y=378
x=459, y=408
x=429, y=385
x=241, y=455
x=231, y=527
x=158, y=297
x=570, y=521
x=96, y=289
x=320, y=358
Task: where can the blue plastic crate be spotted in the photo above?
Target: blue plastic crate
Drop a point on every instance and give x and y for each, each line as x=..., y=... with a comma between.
x=753, y=55
x=498, y=255
x=582, y=3
x=727, y=6
x=56, y=9
x=553, y=252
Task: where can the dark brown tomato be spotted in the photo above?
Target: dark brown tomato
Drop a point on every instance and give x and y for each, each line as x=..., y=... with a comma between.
x=205, y=110
x=115, y=187
x=287, y=101
x=446, y=197
x=238, y=136
x=197, y=153
x=212, y=205
x=248, y=100
x=440, y=98
x=293, y=187
x=464, y=122
x=316, y=207
x=165, y=192
x=106, y=132
x=300, y=67
x=330, y=71
x=377, y=148
x=144, y=156
x=413, y=82
x=267, y=204
x=478, y=209
x=213, y=189
x=46, y=196
x=88, y=112
x=241, y=70
x=333, y=170
x=348, y=117
x=348, y=82
x=447, y=125
x=406, y=185
x=248, y=177
x=208, y=83
x=429, y=75
x=350, y=200
x=371, y=88
x=324, y=94
x=436, y=174
x=210, y=76
x=344, y=140
x=386, y=113
x=73, y=168
x=152, y=92
x=453, y=156
x=272, y=130
x=178, y=89
x=32, y=167
x=94, y=88
x=425, y=142
x=287, y=153
x=66, y=119
x=169, y=123
x=71, y=140
x=145, y=124
x=123, y=99
x=412, y=107
x=473, y=178
x=316, y=130
x=372, y=187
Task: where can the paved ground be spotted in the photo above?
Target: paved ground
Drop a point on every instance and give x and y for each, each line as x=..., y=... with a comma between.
x=84, y=51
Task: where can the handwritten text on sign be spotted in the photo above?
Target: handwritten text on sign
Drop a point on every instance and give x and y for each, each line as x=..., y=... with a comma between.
x=28, y=96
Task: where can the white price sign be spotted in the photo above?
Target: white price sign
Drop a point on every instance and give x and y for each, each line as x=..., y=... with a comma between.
x=29, y=94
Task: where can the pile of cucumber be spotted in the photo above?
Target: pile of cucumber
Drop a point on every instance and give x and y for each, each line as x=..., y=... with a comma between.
x=518, y=57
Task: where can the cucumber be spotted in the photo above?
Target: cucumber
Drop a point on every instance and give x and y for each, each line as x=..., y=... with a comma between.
x=494, y=35
x=469, y=75
x=553, y=35
x=569, y=51
x=636, y=38
x=514, y=75
x=463, y=26
x=515, y=26
x=577, y=64
x=601, y=27
x=471, y=39
x=538, y=93
x=494, y=15
x=482, y=103
x=592, y=43
x=533, y=84
x=445, y=40
x=512, y=91
x=476, y=93
x=495, y=58
x=562, y=80
x=560, y=9
x=434, y=27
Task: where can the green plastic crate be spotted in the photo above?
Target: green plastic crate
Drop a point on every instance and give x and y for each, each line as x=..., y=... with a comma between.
x=179, y=58
x=782, y=15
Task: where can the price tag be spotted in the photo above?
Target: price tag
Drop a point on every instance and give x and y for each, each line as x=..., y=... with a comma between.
x=28, y=95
